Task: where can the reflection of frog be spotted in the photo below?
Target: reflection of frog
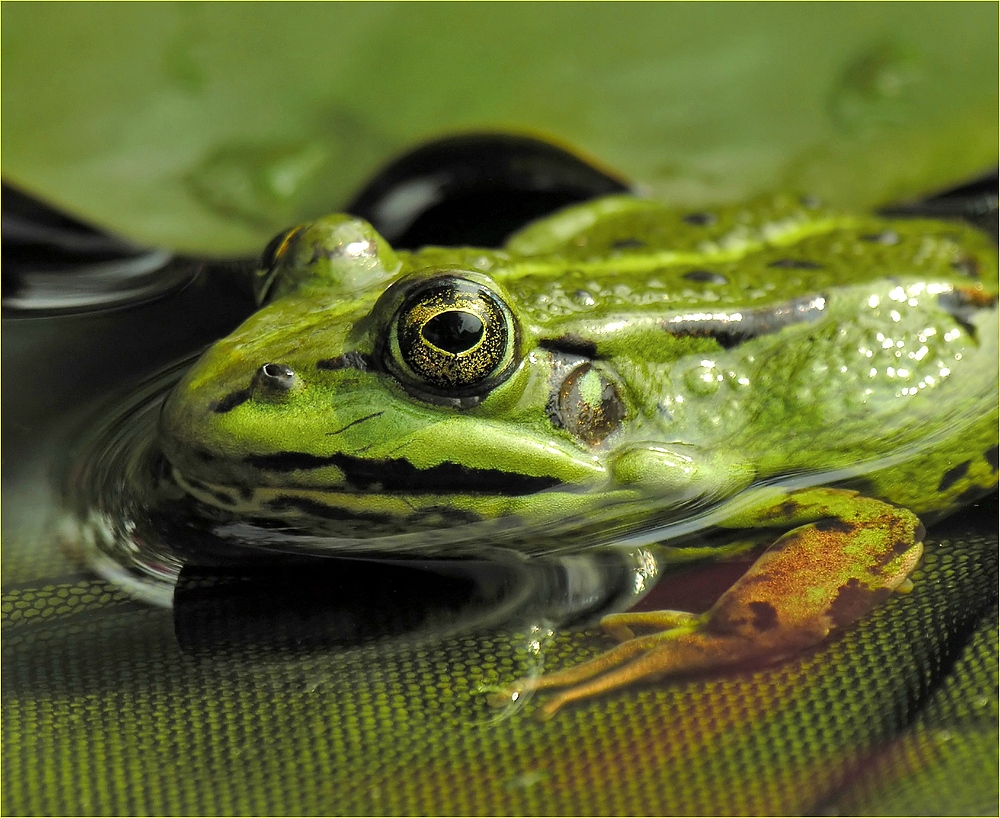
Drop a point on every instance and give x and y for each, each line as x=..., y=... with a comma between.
x=621, y=354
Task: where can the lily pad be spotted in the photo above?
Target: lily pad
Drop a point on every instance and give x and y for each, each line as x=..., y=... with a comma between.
x=208, y=127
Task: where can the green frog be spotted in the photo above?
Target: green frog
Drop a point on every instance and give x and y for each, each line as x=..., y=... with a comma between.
x=820, y=381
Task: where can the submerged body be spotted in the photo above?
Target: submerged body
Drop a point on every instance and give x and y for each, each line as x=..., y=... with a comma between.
x=623, y=361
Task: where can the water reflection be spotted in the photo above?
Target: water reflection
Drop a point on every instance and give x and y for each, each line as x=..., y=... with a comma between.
x=54, y=264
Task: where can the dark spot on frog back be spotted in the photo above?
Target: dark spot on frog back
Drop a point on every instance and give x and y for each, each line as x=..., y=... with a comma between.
x=953, y=475
x=795, y=264
x=788, y=509
x=901, y=546
x=705, y=277
x=627, y=244
x=835, y=524
x=699, y=219
x=223, y=498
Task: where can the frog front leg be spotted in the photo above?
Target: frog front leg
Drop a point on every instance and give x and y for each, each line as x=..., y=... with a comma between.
x=845, y=556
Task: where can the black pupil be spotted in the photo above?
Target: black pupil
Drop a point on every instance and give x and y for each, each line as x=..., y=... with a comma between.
x=454, y=331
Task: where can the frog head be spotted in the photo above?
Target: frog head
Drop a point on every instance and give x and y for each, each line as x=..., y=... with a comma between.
x=382, y=383
x=375, y=382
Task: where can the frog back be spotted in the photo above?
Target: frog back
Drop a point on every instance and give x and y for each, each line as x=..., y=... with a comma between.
x=806, y=342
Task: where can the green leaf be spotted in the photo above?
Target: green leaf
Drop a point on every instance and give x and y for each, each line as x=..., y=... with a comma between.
x=208, y=127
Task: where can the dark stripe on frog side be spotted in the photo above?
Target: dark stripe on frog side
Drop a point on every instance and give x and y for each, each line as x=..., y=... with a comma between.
x=403, y=476
x=221, y=496
x=570, y=344
x=734, y=329
x=231, y=401
x=316, y=508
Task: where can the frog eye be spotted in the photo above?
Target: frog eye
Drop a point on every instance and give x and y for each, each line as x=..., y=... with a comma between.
x=452, y=337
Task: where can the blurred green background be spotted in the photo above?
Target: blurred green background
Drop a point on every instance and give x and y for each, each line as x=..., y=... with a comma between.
x=206, y=127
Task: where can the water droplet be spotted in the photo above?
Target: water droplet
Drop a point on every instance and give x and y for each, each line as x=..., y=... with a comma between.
x=269, y=185
x=704, y=379
x=876, y=89
x=260, y=185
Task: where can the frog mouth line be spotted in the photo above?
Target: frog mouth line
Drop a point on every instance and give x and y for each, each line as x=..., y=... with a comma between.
x=402, y=476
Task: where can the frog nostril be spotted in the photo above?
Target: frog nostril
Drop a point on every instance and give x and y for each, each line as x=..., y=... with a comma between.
x=275, y=376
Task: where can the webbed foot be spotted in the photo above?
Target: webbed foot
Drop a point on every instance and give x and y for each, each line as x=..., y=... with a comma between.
x=816, y=579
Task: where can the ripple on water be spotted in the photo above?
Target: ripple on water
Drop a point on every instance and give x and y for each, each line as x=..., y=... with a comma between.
x=133, y=524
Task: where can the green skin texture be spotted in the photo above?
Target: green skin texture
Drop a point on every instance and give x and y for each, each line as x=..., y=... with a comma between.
x=888, y=385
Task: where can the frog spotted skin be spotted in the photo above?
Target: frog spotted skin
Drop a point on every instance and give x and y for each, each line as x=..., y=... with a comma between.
x=828, y=375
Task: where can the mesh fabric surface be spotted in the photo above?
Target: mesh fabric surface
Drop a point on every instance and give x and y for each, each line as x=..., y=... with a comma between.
x=104, y=712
